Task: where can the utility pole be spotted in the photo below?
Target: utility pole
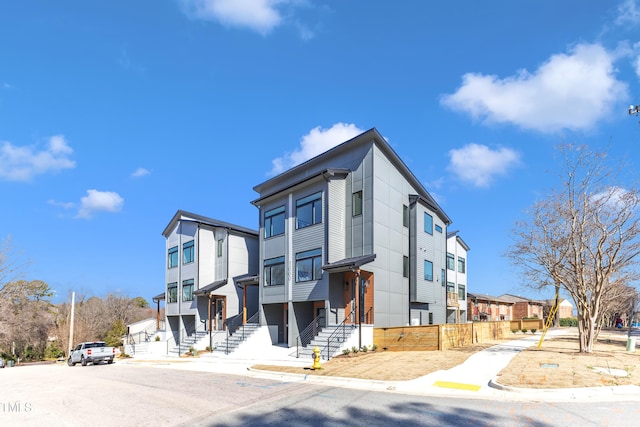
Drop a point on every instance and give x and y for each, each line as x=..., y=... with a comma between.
x=73, y=306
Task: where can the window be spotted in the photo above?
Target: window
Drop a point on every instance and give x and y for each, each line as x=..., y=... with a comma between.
x=428, y=270
x=430, y=318
x=220, y=242
x=309, y=210
x=451, y=287
x=443, y=277
x=309, y=265
x=274, y=222
x=405, y=215
x=187, y=252
x=461, y=265
x=356, y=202
x=173, y=257
x=438, y=228
x=450, y=261
x=172, y=292
x=461, y=292
x=405, y=266
x=187, y=290
x=274, y=271
x=428, y=223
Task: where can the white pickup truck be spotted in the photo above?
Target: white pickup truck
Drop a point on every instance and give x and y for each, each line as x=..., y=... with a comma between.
x=91, y=352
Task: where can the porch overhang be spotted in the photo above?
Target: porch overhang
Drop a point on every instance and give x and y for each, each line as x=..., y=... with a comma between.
x=208, y=290
x=348, y=264
x=158, y=298
x=243, y=281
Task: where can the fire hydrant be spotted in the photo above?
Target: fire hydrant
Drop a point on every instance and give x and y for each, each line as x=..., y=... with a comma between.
x=316, y=358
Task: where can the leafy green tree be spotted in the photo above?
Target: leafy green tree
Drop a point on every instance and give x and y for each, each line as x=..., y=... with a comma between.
x=114, y=335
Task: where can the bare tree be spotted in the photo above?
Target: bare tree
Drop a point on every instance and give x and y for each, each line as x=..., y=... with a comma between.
x=582, y=238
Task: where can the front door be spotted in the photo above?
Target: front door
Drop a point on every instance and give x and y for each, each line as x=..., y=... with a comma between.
x=220, y=314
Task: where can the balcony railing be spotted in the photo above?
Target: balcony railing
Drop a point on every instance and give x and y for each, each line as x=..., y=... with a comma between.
x=452, y=298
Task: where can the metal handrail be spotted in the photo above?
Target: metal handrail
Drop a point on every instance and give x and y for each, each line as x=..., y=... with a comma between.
x=252, y=320
x=183, y=333
x=335, y=336
x=307, y=334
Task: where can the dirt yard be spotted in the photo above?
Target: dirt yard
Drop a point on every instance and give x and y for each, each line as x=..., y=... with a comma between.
x=557, y=364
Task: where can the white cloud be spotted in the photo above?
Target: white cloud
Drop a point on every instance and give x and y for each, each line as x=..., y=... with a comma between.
x=480, y=165
x=317, y=141
x=628, y=13
x=24, y=163
x=569, y=91
x=99, y=201
x=140, y=172
x=258, y=15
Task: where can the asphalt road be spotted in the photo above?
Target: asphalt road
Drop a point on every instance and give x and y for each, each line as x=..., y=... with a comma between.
x=159, y=395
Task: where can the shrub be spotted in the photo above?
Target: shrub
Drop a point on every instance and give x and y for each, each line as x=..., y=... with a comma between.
x=533, y=331
x=513, y=331
x=374, y=347
x=208, y=348
x=569, y=321
x=346, y=351
x=354, y=349
x=524, y=330
x=365, y=348
x=157, y=338
x=53, y=351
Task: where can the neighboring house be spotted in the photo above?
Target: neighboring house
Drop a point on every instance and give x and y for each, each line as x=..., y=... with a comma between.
x=565, y=309
x=483, y=307
x=525, y=307
x=456, y=278
x=210, y=277
x=351, y=236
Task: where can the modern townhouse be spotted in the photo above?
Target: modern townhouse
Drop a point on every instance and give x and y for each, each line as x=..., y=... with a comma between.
x=211, y=278
x=456, y=278
x=350, y=236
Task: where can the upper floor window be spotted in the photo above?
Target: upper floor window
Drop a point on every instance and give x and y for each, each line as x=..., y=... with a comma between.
x=428, y=270
x=173, y=257
x=450, y=261
x=438, y=228
x=405, y=266
x=405, y=215
x=451, y=287
x=309, y=265
x=274, y=271
x=443, y=277
x=274, y=222
x=220, y=242
x=187, y=252
x=461, y=292
x=187, y=290
x=356, y=202
x=461, y=265
x=428, y=223
x=309, y=210
x=172, y=292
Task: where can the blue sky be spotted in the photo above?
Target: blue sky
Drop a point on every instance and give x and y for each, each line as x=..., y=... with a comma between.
x=114, y=115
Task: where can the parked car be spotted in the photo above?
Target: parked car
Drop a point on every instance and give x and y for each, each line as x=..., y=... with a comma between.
x=1, y=363
x=91, y=352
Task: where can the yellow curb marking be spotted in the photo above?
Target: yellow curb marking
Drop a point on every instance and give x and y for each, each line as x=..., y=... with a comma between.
x=459, y=386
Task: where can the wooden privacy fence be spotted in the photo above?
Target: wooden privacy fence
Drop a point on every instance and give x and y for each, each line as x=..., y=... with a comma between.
x=439, y=337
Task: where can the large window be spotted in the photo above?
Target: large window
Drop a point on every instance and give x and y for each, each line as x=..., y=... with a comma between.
x=405, y=215
x=405, y=266
x=451, y=287
x=309, y=265
x=187, y=290
x=172, y=292
x=357, y=203
x=220, y=243
x=450, y=261
x=428, y=270
x=274, y=271
x=173, y=257
x=187, y=252
x=309, y=210
x=461, y=292
x=274, y=222
x=461, y=265
x=428, y=223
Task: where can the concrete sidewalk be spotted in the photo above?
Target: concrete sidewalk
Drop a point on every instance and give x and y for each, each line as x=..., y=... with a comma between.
x=475, y=378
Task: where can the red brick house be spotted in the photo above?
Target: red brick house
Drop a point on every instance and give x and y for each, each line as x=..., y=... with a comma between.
x=525, y=307
x=487, y=308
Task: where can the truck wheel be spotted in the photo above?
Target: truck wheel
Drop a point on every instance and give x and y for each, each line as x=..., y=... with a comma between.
x=83, y=362
x=69, y=362
x=110, y=361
